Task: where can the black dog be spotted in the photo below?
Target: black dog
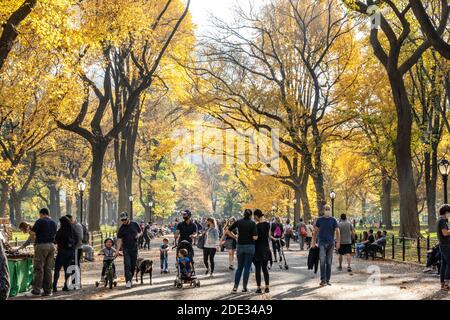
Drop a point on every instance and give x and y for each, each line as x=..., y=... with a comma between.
x=144, y=266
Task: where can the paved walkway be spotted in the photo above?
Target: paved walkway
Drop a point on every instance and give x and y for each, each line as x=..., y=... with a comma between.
x=369, y=280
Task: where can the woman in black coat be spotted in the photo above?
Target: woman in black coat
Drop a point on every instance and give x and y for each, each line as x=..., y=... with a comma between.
x=262, y=251
x=66, y=240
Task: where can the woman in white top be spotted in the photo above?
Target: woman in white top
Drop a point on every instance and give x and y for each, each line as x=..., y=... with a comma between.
x=211, y=244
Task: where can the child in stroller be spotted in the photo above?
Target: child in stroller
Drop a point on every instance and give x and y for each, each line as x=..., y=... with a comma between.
x=185, y=265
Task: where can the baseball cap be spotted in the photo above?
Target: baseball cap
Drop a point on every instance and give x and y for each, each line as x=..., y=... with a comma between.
x=123, y=216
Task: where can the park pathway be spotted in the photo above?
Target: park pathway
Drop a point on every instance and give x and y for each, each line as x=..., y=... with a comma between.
x=370, y=280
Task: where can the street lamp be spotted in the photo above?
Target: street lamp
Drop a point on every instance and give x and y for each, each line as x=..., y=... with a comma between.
x=332, y=196
x=444, y=170
x=150, y=205
x=131, y=198
x=81, y=188
x=381, y=218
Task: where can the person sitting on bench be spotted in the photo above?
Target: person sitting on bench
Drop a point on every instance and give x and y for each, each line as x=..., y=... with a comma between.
x=375, y=247
x=360, y=247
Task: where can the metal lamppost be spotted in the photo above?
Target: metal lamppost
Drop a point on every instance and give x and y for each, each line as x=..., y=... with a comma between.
x=381, y=218
x=444, y=170
x=332, y=196
x=295, y=204
x=150, y=205
x=81, y=188
x=131, y=198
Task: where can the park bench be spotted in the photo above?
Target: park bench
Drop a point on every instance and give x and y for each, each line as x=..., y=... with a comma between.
x=379, y=253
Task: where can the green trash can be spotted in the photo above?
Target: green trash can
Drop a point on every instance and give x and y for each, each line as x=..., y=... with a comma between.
x=20, y=275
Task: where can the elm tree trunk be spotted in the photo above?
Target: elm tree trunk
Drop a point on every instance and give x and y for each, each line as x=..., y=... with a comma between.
x=95, y=191
x=409, y=219
x=4, y=198
x=386, y=203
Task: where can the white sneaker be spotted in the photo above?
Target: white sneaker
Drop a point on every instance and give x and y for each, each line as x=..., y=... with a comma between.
x=128, y=285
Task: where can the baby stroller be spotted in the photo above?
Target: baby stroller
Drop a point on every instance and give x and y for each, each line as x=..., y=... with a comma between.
x=433, y=259
x=181, y=278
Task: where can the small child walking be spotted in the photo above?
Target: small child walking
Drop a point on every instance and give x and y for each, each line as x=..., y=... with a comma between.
x=163, y=255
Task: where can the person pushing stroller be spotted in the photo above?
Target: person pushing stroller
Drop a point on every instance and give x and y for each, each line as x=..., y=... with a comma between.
x=184, y=236
x=186, y=230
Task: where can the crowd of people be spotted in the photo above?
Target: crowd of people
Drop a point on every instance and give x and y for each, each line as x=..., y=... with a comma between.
x=252, y=239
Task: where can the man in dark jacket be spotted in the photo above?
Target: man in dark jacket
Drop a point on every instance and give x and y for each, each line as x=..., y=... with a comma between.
x=313, y=259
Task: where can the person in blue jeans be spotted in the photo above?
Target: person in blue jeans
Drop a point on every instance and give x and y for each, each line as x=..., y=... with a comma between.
x=163, y=255
x=443, y=234
x=247, y=231
x=324, y=234
x=127, y=241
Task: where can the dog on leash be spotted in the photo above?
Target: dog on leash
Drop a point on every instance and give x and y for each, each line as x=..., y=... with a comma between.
x=144, y=266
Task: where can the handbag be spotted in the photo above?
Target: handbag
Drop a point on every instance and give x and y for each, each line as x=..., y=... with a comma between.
x=201, y=241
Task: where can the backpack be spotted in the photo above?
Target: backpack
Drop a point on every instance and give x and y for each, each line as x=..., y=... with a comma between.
x=277, y=232
x=289, y=231
x=303, y=231
x=85, y=235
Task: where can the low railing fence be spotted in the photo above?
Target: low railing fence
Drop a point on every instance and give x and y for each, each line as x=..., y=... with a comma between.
x=407, y=249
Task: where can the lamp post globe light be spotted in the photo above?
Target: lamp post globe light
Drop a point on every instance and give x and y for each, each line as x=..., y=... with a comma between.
x=81, y=187
x=131, y=198
x=444, y=170
x=332, y=196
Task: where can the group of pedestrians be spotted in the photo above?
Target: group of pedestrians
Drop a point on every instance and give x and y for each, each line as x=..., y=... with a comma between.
x=252, y=246
x=251, y=236
x=248, y=238
x=69, y=238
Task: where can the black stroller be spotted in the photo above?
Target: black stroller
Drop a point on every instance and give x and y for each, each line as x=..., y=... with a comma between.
x=181, y=278
x=433, y=259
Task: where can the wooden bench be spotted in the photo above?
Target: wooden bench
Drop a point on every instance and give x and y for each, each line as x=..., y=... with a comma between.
x=379, y=253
